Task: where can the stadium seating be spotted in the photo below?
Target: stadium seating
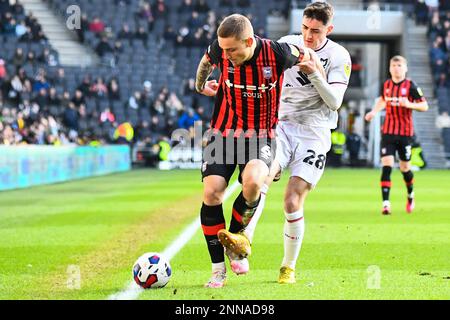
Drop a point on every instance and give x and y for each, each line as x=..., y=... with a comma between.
x=166, y=63
x=439, y=40
x=443, y=96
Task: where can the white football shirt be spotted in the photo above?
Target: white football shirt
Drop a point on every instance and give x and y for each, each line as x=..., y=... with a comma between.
x=300, y=101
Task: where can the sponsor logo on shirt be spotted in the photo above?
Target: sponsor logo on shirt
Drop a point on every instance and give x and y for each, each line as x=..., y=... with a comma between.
x=262, y=88
x=267, y=72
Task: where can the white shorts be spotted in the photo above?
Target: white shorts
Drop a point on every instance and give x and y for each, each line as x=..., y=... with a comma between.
x=303, y=149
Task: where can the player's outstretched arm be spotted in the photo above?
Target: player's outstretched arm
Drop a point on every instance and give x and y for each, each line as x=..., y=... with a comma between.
x=204, y=70
x=380, y=105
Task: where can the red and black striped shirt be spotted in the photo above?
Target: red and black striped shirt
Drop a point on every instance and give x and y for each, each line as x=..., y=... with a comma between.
x=248, y=97
x=399, y=120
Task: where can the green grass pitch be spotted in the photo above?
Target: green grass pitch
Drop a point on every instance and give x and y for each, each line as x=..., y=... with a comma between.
x=99, y=227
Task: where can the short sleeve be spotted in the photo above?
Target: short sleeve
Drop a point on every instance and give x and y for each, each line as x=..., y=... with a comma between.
x=415, y=93
x=340, y=67
x=287, y=54
x=214, y=53
x=382, y=91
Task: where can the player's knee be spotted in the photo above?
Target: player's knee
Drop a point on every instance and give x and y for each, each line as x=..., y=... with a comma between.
x=212, y=197
x=291, y=206
x=252, y=185
x=387, y=161
x=405, y=166
x=292, y=203
x=252, y=179
x=251, y=189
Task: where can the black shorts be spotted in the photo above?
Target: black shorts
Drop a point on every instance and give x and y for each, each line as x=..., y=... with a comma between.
x=221, y=155
x=391, y=143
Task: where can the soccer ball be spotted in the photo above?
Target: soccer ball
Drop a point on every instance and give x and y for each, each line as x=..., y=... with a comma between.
x=152, y=270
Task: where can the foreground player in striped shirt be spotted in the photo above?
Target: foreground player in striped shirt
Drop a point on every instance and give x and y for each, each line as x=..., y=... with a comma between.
x=399, y=96
x=245, y=116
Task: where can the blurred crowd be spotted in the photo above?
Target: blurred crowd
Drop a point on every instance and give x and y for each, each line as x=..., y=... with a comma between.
x=33, y=112
x=21, y=119
x=196, y=25
x=439, y=39
x=38, y=107
x=436, y=16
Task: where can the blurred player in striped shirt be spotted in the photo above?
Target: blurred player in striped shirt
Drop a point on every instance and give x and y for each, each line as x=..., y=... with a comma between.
x=399, y=96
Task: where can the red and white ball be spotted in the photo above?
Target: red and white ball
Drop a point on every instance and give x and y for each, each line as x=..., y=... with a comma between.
x=152, y=270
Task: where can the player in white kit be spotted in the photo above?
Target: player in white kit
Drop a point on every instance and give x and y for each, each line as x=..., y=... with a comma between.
x=308, y=112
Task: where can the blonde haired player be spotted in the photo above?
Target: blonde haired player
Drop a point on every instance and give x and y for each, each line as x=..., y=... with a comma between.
x=246, y=108
x=399, y=96
x=308, y=110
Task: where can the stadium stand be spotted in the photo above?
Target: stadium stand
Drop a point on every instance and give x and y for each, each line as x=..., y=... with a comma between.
x=439, y=40
x=149, y=53
x=28, y=66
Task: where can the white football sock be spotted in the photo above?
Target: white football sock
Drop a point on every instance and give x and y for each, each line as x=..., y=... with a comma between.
x=219, y=266
x=250, y=228
x=294, y=229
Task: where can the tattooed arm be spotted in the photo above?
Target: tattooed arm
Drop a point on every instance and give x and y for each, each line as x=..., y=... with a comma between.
x=204, y=70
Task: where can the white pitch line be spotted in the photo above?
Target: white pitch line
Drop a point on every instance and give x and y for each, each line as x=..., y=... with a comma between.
x=132, y=291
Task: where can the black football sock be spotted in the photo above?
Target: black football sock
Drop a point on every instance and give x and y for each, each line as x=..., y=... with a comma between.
x=212, y=221
x=242, y=213
x=409, y=181
x=386, y=182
